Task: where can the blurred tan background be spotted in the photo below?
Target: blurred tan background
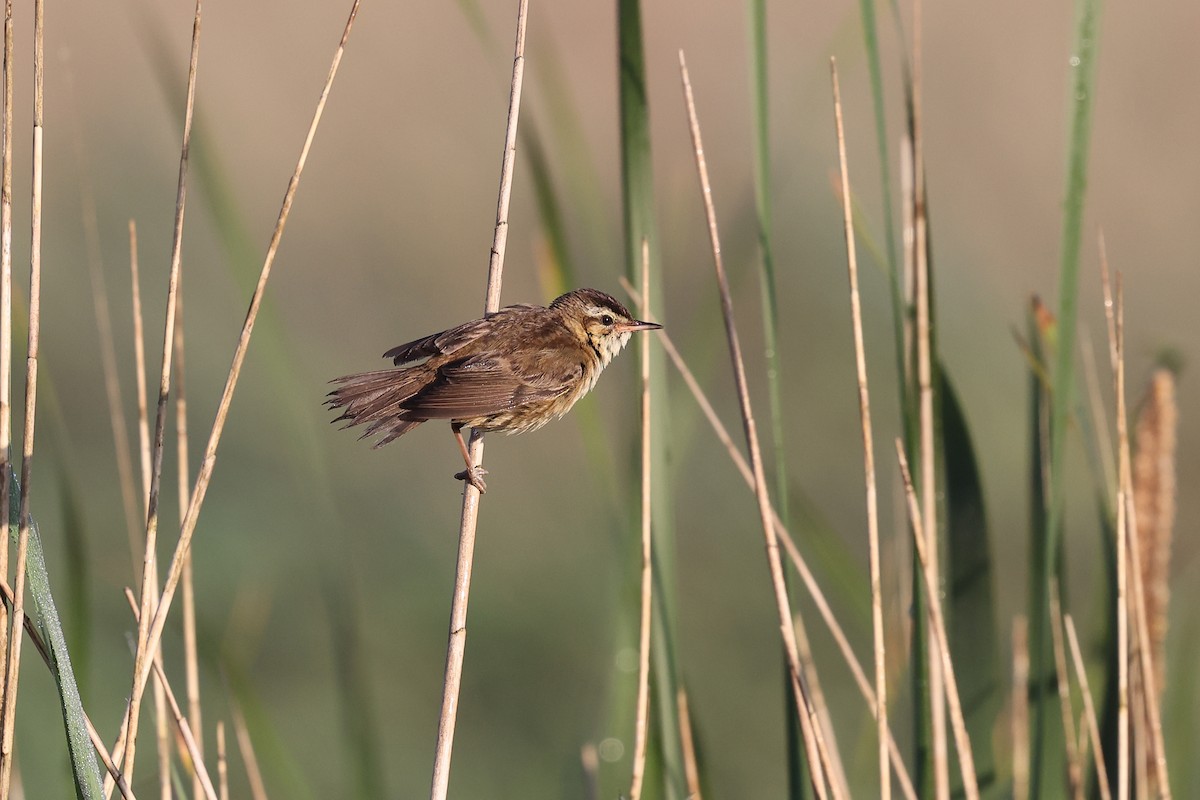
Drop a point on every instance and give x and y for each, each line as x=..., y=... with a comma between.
x=388, y=240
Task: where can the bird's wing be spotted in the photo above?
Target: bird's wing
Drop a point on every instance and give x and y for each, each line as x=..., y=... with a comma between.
x=446, y=342
x=483, y=385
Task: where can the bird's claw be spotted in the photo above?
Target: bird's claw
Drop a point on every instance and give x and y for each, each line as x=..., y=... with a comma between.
x=473, y=476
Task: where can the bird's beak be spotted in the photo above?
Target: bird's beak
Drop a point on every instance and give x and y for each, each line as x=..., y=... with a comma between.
x=636, y=325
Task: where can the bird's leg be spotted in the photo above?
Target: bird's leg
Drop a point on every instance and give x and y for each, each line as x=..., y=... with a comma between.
x=472, y=474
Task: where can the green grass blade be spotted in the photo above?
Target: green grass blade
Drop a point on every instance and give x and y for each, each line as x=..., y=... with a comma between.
x=974, y=642
x=84, y=768
x=637, y=195
x=1082, y=90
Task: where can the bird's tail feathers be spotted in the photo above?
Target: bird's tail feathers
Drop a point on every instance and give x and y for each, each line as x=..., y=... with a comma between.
x=374, y=399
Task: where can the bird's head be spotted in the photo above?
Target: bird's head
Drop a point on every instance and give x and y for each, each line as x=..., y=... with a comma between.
x=601, y=320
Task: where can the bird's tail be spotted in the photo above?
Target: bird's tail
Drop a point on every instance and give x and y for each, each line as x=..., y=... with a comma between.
x=374, y=399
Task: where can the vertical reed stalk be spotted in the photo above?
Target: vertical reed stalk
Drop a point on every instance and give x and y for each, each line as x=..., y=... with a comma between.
x=149, y=595
x=641, y=719
x=12, y=673
x=6, y=155
x=456, y=646
x=864, y=411
x=1089, y=709
x=814, y=740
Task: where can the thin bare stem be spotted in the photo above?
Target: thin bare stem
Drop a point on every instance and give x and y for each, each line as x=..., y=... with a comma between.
x=162, y=732
x=1074, y=764
x=690, y=769
x=962, y=741
x=191, y=658
x=806, y=575
x=1020, y=708
x=258, y=789
x=469, y=518
x=1124, y=482
x=814, y=740
x=149, y=592
x=200, y=488
x=864, y=410
x=181, y=723
x=222, y=762
x=9, y=711
x=1089, y=709
x=1125, y=495
x=922, y=296
x=641, y=723
x=6, y=139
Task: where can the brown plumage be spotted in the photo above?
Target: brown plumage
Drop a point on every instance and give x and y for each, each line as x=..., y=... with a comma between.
x=513, y=370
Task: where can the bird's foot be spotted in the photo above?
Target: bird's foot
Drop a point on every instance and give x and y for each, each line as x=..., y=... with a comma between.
x=473, y=476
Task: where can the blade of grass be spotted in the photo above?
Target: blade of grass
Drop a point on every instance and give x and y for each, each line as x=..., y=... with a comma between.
x=456, y=647
x=814, y=740
x=85, y=773
x=187, y=529
x=637, y=204
x=868, y=441
x=1081, y=93
x=13, y=664
x=974, y=640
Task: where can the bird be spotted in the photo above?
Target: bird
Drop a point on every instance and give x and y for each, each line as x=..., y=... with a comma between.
x=513, y=370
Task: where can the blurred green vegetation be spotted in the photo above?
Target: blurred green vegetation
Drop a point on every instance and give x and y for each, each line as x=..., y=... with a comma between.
x=324, y=569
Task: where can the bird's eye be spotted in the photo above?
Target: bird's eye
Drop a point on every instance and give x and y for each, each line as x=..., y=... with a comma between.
x=606, y=320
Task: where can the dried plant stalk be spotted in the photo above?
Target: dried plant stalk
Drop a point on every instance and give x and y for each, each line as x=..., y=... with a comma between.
x=456, y=646
x=814, y=739
x=1020, y=708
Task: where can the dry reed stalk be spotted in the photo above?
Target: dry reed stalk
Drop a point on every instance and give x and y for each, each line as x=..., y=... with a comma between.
x=1089, y=709
x=966, y=759
x=817, y=696
x=222, y=762
x=864, y=412
x=191, y=659
x=691, y=770
x=1154, y=490
x=469, y=518
x=922, y=296
x=147, y=653
x=1074, y=764
x=200, y=487
x=13, y=665
x=642, y=714
x=162, y=734
x=589, y=761
x=1020, y=708
x=258, y=789
x=809, y=725
x=806, y=575
x=6, y=138
x=181, y=723
x=1116, y=322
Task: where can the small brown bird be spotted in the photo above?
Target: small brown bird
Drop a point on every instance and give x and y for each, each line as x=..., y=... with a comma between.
x=514, y=370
